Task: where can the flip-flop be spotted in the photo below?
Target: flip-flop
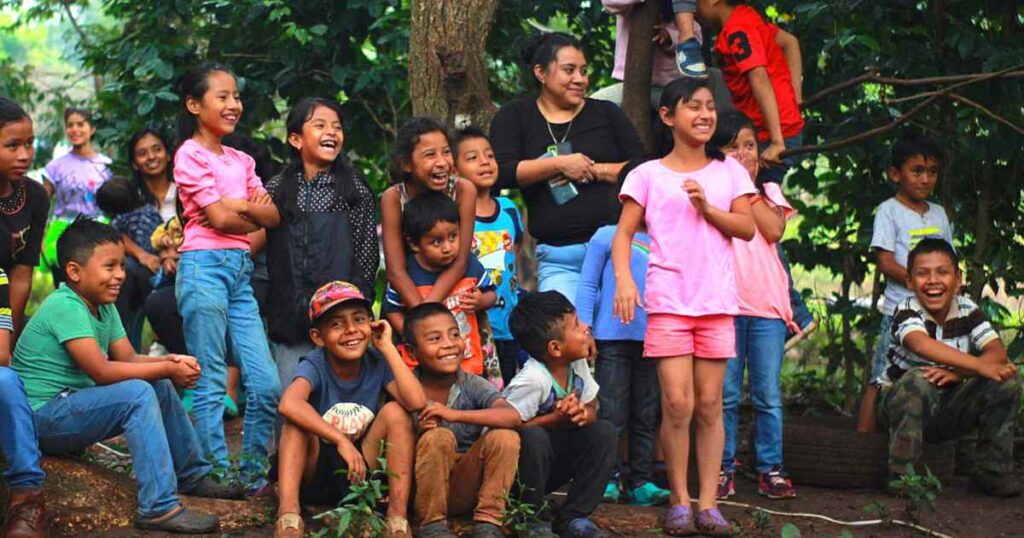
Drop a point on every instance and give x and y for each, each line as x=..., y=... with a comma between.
x=679, y=521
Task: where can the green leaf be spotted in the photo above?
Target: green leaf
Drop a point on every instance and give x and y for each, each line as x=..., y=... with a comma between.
x=163, y=69
x=344, y=521
x=146, y=104
x=318, y=30
x=790, y=530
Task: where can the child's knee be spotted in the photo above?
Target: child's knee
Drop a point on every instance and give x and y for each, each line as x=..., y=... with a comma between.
x=436, y=442
x=394, y=415
x=501, y=443
x=677, y=404
x=9, y=380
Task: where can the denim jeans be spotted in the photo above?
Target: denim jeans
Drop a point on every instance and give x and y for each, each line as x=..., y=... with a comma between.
x=801, y=314
x=630, y=397
x=759, y=349
x=559, y=268
x=18, y=434
x=165, y=451
x=215, y=298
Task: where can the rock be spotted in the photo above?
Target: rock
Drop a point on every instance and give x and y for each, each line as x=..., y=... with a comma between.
x=84, y=498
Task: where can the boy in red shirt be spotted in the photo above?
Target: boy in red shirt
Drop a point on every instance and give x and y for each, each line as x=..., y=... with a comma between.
x=762, y=68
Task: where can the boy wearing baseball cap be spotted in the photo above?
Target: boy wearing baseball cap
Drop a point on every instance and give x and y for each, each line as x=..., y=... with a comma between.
x=333, y=415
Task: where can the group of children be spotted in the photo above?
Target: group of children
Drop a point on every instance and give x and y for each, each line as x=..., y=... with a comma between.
x=470, y=390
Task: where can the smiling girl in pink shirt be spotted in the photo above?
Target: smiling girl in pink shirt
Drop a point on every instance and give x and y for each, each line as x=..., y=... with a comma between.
x=693, y=201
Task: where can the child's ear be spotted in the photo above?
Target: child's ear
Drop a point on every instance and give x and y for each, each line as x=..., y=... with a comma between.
x=554, y=348
x=73, y=272
x=894, y=174
x=295, y=141
x=407, y=166
x=413, y=247
x=314, y=335
x=666, y=116
x=192, y=105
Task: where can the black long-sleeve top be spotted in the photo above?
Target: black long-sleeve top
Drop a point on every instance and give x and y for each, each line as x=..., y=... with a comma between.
x=600, y=131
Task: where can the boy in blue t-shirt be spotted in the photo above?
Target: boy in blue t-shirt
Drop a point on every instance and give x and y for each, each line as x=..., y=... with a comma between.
x=333, y=414
x=497, y=235
x=430, y=225
x=629, y=382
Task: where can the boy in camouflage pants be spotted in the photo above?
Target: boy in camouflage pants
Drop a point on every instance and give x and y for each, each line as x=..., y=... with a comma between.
x=948, y=374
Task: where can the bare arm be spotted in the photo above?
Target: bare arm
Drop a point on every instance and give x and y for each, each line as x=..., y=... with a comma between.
x=5, y=348
x=394, y=249
x=609, y=172
x=465, y=193
x=991, y=364
x=736, y=222
x=263, y=214
x=790, y=46
x=770, y=221
x=761, y=87
x=627, y=296
x=500, y=415
x=551, y=420
x=295, y=408
x=89, y=357
x=257, y=241
x=20, y=279
x=133, y=249
x=889, y=267
x=223, y=219
x=405, y=388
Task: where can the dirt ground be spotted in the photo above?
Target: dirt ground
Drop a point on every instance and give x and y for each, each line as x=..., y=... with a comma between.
x=96, y=502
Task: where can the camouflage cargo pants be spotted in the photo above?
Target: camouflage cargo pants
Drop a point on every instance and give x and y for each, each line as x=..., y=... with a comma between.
x=914, y=410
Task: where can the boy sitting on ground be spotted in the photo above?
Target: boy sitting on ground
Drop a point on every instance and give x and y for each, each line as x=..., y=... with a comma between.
x=460, y=467
x=430, y=225
x=85, y=384
x=948, y=374
x=333, y=415
x=562, y=438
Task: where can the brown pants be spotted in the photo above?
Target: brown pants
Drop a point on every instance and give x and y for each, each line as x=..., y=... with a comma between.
x=449, y=483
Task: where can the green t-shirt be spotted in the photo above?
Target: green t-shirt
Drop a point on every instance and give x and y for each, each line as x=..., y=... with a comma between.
x=40, y=357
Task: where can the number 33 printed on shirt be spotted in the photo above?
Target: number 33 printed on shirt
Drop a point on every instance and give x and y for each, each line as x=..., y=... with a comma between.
x=739, y=46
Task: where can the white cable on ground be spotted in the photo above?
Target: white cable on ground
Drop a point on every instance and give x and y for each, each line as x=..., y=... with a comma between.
x=112, y=451
x=862, y=523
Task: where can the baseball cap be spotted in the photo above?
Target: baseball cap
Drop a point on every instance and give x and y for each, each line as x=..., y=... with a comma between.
x=332, y=294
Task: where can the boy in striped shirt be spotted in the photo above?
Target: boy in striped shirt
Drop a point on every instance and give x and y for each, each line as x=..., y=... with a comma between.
x=948, y=374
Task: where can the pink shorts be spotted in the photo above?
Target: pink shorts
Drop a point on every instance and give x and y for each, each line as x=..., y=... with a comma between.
x=706, y=337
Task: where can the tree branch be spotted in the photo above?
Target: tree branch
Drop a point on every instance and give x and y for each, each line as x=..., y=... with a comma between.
x=981, y=108
x=74, y=23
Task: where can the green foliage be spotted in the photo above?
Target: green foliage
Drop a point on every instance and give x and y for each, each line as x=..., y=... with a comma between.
x=519, y=516
x=880, y=509
x=762, y=520
x=790, y=530
x=358, y=514
x=918, y=491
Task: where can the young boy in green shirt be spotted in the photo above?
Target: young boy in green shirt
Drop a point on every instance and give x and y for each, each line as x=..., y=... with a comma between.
x=85, y=383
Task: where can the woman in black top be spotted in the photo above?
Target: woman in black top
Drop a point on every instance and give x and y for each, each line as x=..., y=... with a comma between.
x=565, y=152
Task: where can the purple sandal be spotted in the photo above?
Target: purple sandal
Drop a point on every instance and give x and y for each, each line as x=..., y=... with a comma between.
x=679, y=521
x=711, y=523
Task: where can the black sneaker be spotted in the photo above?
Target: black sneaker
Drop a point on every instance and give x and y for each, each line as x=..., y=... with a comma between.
x=180, y=520
x=211, y=489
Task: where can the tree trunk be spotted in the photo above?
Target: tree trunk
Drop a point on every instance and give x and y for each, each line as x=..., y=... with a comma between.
x=447, y=79
x=636, y=92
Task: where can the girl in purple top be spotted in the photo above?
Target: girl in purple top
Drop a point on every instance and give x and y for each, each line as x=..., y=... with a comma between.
x=223, y=200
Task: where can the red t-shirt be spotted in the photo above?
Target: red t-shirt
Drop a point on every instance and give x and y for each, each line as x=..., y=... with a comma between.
x=745, y=42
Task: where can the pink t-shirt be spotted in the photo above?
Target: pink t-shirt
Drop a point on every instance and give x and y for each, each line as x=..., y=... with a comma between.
x=203, y=177
x=690, y=270
x=761, y=281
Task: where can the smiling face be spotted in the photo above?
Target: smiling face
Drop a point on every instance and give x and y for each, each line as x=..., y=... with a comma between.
x=475, y=162
x=431, y=161
x=343, y=331
x=321, y=139
x=149, y=157
x=438, y=344
x=437, y=248
x=744, y=150
x=99, y=280
x=78, y=130
x=916, y=177
x=692, y=121
x=220, y=108
x=935, y=281
x=564, y=81
x=17, y=149
x=576, y=342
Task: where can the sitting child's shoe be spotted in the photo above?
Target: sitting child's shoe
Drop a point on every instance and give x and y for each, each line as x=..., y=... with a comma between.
x=437, y=529
x=582, y=527
x=994, y=484
x=487, y=530
x=27, y=518
x=211, y=489
x=679, y=521
x=396, y=527
x=289, y=526
x=726, y=484
x=689, y=60
x=649, y=495
x=710, y=522
x=775, y=485
x=611, y=492
x=180, y=520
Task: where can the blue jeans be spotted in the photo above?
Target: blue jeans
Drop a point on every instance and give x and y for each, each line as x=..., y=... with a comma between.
x=801, y=314
x=165, y=451
x=759, y=349
x=630, y=396
x=215, y=299
x=559, y=268
x=18, y=434
x=881, y=359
